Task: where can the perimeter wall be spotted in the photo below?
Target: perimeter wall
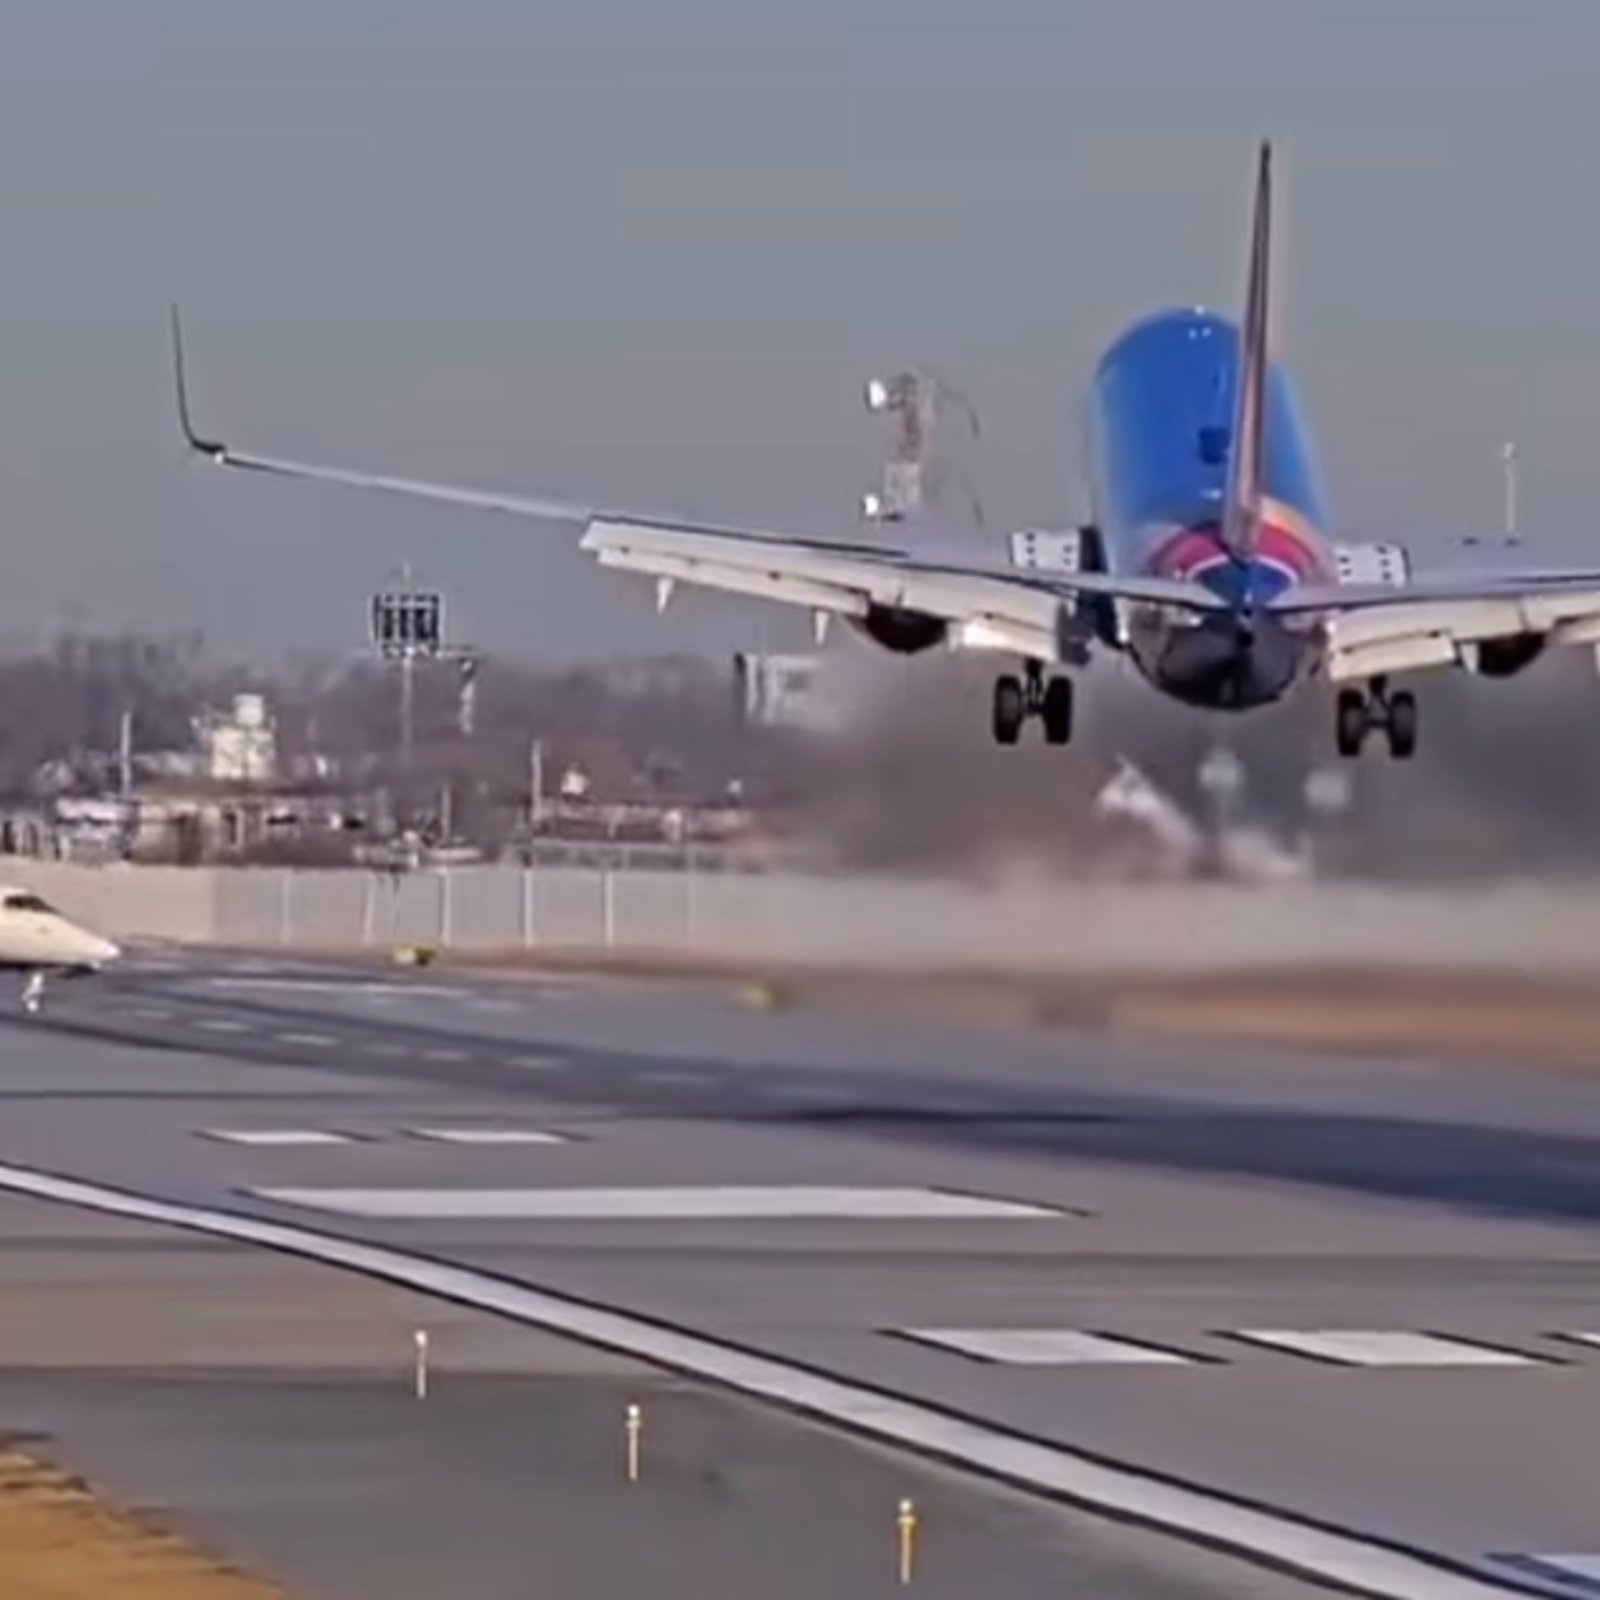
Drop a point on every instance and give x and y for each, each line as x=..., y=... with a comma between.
x=857, y=921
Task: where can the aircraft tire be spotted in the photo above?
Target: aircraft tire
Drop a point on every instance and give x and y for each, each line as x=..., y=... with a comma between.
x=1350, y=723
x=1056, y=712
x=1402, y=727
x=1010, y=707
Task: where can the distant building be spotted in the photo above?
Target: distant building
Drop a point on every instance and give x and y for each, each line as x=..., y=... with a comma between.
x=240, y=745
x=782, y=691
x=657, y=675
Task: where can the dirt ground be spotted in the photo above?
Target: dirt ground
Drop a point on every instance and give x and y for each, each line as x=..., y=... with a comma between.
x=60, y=1541
x=1503, y=1017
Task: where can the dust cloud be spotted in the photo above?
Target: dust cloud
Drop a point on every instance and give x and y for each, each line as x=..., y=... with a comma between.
x=1506, y=781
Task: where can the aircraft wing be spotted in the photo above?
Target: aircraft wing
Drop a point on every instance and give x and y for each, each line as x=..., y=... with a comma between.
x=482, y=499
x=274, y=466
x=1445, y=619
x=989, y=603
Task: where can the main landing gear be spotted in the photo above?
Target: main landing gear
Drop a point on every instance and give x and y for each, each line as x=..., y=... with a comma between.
x=1017, y=699
x=1363, y=711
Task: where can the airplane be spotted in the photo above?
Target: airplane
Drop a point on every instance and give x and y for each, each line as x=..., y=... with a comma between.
x=1207, y=560
x=38, y=941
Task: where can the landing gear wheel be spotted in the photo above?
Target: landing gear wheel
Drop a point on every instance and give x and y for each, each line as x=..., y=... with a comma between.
x=1350, y=722
x=1009, y=709
x=1056, y=711
x=1402, y=726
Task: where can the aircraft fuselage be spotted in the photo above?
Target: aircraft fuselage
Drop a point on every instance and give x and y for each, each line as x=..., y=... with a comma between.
x=1161, y=412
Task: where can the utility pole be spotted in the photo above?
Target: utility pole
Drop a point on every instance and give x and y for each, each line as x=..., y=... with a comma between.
x=467, y=700
x=407, y=626
x=125, y=757
x=1508, y=461
x=408, y=691
x=408, y=695
x=915, y=474
x=536, y=785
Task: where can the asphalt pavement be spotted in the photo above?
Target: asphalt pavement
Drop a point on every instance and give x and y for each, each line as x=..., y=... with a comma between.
x=1363, y=1293
x=270, y=1410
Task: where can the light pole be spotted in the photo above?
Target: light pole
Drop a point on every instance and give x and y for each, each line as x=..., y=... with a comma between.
x=1508, y=461
x=1221, y=777
x=914, y=400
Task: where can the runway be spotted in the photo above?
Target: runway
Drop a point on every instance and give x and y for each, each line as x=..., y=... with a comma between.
x=1359, y=1295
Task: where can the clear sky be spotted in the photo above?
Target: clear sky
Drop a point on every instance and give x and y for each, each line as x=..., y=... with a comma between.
x=646, y=251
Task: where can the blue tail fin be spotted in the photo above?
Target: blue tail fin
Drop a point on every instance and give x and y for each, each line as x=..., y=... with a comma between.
x=1242, y=509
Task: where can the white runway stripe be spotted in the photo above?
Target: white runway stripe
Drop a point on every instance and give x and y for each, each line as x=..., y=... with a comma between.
x=665, y=1078
x=811, y=1094
x=488, y=1136
x=1345, y=1559
x=1580, y=1571
x=1047, y=1347
x=321, y=1041
x=277, y=1136
x=337, y=986
x=654, y=1205
x=1384, y=1348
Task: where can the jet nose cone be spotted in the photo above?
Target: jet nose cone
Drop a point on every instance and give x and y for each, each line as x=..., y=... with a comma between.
x=102, y=952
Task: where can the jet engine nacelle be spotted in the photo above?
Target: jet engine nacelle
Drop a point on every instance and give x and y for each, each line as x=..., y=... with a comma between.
x=906, y=633
x=1504, y=658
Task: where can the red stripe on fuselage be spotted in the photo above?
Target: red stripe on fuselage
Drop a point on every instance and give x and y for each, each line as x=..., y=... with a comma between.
x=1190, y=551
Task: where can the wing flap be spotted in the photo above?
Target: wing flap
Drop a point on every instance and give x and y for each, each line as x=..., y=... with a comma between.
x=784, y=588
x=987, y=610
x=1562, y=589
x=959, y=592
x=1413, y=634
x=414, y=488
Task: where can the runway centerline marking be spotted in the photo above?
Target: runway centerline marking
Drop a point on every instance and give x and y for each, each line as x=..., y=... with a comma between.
x=1352, y=1347
x=1576, y=1571
x=488, y=1136
x=1579, y=1336
x=1047, y=1347
x=366, y=989
x=1279, y=1539
x=321, y=1041
x=273, y=1137
x=818, y=1094
x=728, y=1203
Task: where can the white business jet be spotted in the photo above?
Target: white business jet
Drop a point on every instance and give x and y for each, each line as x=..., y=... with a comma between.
x=39, y=942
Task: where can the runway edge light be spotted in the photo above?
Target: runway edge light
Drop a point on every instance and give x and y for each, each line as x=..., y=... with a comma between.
x=906, y=1526
x=419, y=1340
x=633, y=1427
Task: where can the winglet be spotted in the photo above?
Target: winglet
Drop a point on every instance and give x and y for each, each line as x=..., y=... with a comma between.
x=204, y=447
x=1243, y=506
